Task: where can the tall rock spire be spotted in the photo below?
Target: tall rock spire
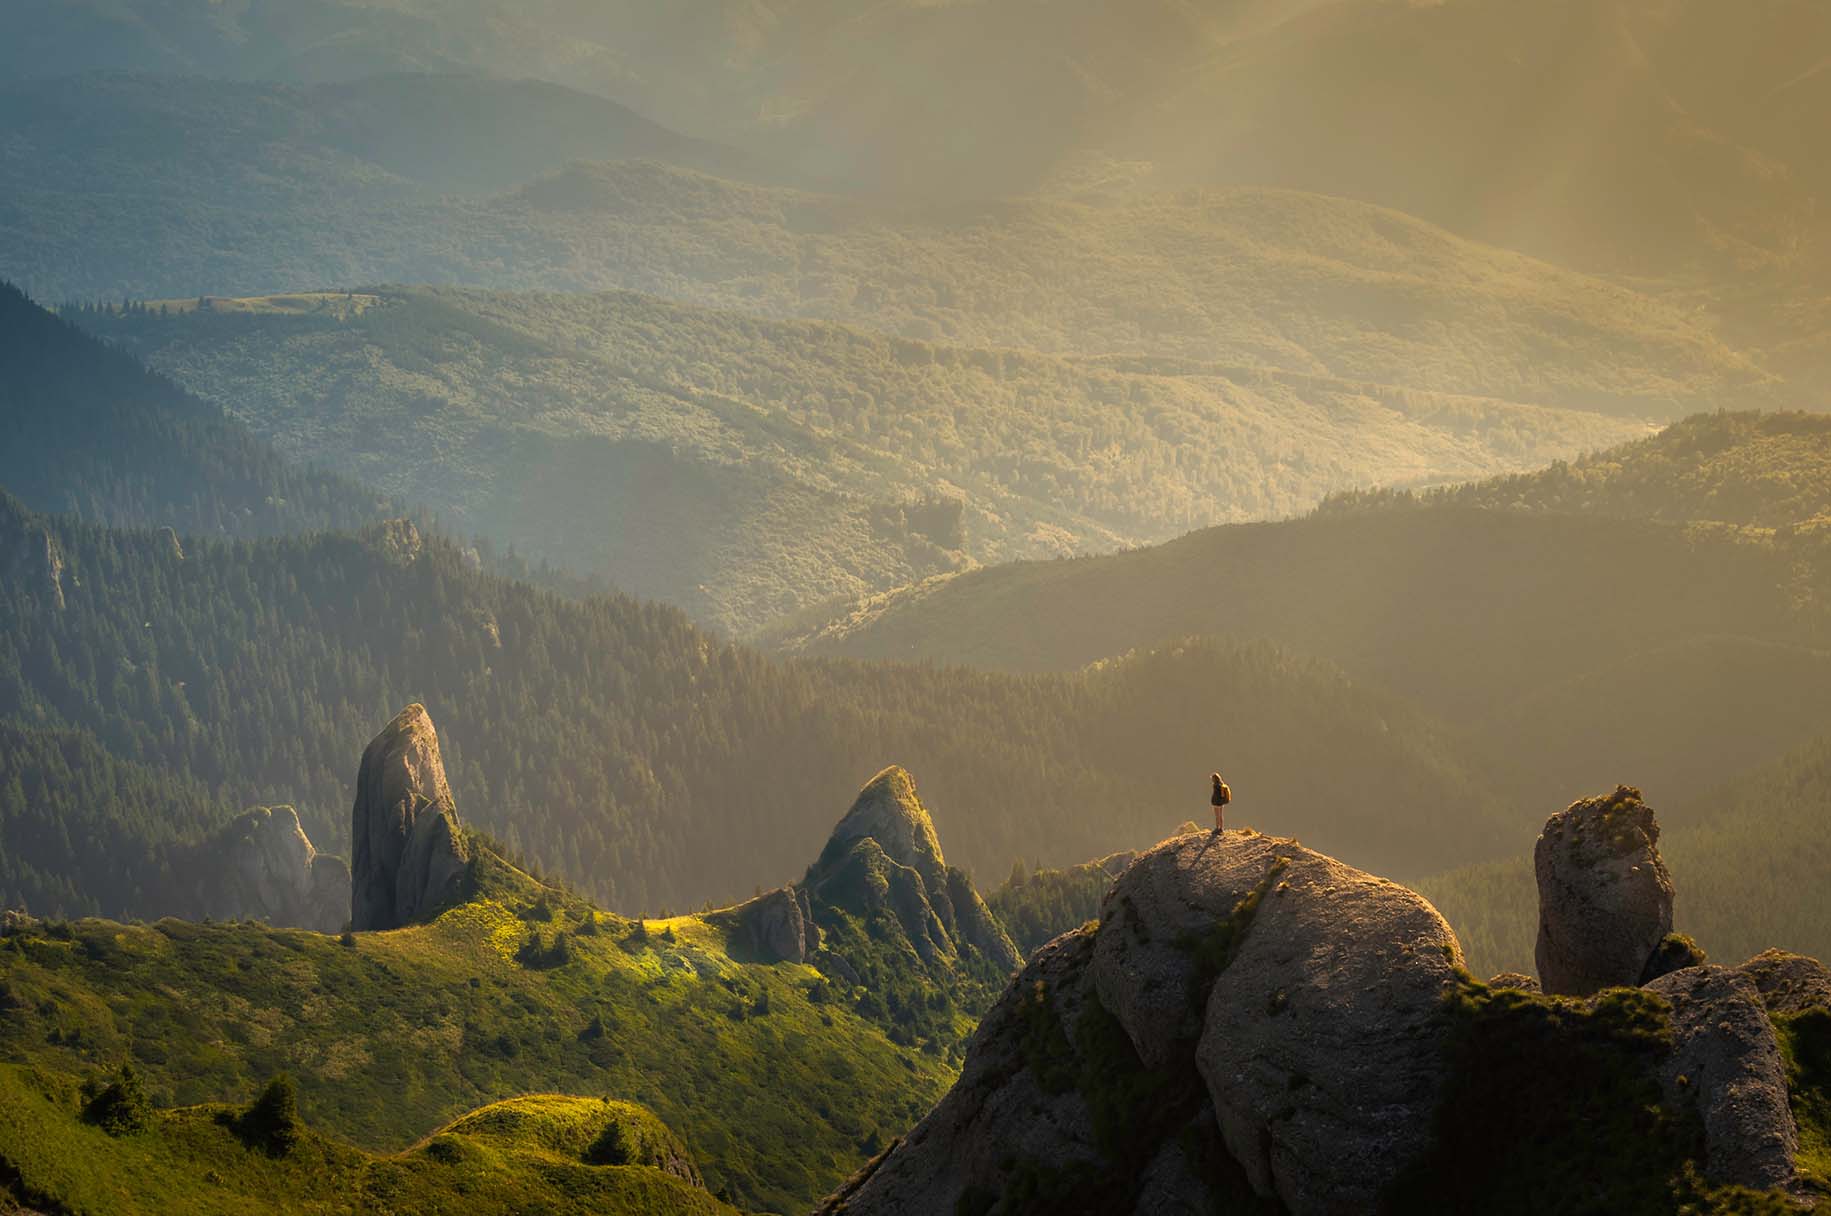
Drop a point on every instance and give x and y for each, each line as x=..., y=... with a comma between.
x=408, y=855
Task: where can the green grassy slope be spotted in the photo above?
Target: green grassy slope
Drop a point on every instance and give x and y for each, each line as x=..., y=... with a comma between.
x=192, y=1160
x=809, y=458
x=390, y=1038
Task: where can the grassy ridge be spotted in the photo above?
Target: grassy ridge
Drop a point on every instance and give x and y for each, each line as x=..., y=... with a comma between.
x=775, y=1090
x=191, y=1160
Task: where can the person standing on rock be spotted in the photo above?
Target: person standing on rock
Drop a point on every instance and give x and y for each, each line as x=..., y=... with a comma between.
x=1219, y=800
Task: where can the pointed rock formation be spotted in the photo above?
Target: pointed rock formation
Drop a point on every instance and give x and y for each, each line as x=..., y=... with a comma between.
x=1605, y=899
x=409, y=859
x=884, y=854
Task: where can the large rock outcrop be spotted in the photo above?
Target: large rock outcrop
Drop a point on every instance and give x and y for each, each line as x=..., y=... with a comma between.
x=261, y=866
x=1726, y=1064
x=1239, y=991
x=409, y=859
x=1605, y=899
x=884, y=854
x=772, y=928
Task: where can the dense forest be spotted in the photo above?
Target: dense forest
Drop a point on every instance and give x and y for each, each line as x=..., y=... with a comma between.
x=1759, y=470
x=88, y=431
x=815, y=461
x=615, y=744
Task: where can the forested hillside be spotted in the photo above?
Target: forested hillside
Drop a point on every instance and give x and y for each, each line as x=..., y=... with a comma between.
x=1760, y=470
x=614, y=743
x=90, y=432
x=1525, y=629
x=815, y=461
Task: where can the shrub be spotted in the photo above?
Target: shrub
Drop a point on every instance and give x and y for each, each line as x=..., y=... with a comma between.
x=272, y=1123
x=119, y=1107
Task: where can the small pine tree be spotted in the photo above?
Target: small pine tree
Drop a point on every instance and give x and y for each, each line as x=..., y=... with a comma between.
x=273, y=1122
x=119, y=1107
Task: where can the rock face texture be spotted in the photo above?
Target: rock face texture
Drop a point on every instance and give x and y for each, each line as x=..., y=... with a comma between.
x=1789, y=983
x=884, y=854
x=1242, y=993
x=1005, y=1107
x=409, y=859
x=261, y=866
x=1605, y=899
x=1726, y=1062
x=1321, y=1042
x=772, y=928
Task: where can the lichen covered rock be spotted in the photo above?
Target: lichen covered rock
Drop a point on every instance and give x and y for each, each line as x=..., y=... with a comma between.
x=1241, y=993
x=1789, y=983
x=1726, y=1063
x=1605, y=898
x=1322, y=1037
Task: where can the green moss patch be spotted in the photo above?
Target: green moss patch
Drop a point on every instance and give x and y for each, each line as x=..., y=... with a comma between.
x=1554, y=1106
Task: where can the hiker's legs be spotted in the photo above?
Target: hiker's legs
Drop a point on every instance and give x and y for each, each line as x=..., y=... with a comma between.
x=1217, y=819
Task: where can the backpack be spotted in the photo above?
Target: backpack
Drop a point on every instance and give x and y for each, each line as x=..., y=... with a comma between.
x=1222, y=795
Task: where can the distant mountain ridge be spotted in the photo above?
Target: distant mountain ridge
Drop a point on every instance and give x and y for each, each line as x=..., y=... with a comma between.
x=814, y=461
x=1643, y=135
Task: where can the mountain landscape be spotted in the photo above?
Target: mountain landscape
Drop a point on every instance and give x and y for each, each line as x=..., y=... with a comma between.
x=502, y=504
x=818, y=462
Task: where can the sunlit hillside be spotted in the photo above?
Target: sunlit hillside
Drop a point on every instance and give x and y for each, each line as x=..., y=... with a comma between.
x=817, y=462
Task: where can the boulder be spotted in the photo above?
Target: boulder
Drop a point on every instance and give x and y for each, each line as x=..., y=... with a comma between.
x=1322, y=1040
x=770, y=928
x=1789, y=983
x=1292, y=1009
x=409, y=859
x=1605, y=899
x=1165, y=906
x=262, y=866
x=1726, y=1063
